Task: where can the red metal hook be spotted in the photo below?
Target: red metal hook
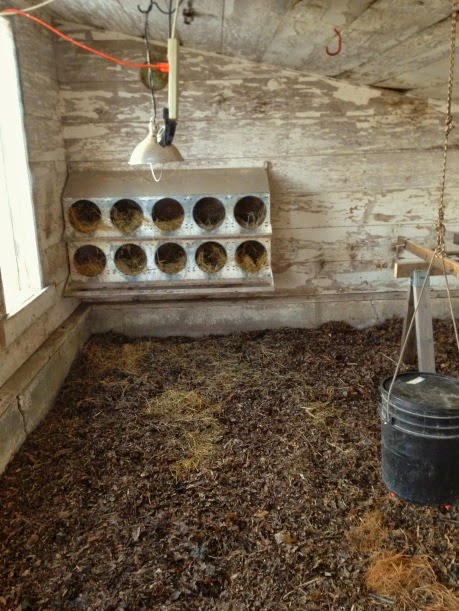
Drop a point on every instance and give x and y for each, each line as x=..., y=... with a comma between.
x=338, y=51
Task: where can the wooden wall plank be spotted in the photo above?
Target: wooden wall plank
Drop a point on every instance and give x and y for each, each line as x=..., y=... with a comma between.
x=374, y=172
x=40, y=97
x=347, y=165
x=260, y=98
x=33, y=47
x=342, y=243
x=46, y=104
x=48, y=183
x=350, y=209
x=44, y=138
x=247, y=138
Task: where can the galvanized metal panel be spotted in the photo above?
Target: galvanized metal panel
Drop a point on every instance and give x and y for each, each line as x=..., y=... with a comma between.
x=187, y=189
x=231, y=181
x=152, y=277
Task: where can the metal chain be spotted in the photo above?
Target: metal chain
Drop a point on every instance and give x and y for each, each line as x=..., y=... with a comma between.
x=440, y=250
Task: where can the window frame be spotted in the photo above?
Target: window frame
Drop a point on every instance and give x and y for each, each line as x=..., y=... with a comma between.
x=32, y=301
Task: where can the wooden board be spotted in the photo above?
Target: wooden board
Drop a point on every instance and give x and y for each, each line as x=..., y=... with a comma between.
x=406, y=270
x=239, y=98
x=40, y=99
x=451, y=267
x=423, y=323
x=409, y=331
x=246, y=139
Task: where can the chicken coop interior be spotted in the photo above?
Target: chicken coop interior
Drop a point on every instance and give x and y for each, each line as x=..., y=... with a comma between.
x=229, y=305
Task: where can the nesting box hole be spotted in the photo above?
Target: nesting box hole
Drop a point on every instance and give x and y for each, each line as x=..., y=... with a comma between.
x=170, y=258
x=250, y=212
x=89, y=261
x=168, y=214
x=126, y=215
x=251, y=256
x=211, y=257
x=209, y=213
x=85, y=216
x=130, y=259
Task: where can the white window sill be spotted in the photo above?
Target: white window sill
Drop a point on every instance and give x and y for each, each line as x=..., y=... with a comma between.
x=14, y=325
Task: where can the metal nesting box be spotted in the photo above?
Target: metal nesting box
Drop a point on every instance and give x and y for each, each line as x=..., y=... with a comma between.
x=197, y=232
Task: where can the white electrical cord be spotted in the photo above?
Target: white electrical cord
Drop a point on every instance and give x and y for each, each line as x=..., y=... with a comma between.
x=153, y=173
x=32, y=8
x=175, y=18
x=170, y=173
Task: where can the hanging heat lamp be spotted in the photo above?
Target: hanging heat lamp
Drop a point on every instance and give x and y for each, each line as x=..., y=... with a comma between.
x=157, y=148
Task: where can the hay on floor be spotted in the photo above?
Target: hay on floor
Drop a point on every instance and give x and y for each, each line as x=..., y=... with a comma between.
x=106, y=358
x=411, y=580
x=369, y=535
x=189, y=420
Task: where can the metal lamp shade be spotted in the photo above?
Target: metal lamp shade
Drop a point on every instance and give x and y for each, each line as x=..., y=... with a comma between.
x=150, y=152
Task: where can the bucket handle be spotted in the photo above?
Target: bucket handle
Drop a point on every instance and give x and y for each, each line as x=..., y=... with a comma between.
x=385, y=404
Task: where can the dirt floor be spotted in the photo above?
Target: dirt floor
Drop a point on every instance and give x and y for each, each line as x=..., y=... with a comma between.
x=237, y=472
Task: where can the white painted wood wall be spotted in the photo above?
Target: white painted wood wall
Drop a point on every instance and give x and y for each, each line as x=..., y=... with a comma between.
x=351, y=167
x=48, y=170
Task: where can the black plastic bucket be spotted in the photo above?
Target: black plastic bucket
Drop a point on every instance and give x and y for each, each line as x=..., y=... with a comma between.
x=420, y=438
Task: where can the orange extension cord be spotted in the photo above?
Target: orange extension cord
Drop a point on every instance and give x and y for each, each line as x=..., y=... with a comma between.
x=162, y=67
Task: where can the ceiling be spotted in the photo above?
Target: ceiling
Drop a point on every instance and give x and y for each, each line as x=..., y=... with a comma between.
x=396, y=44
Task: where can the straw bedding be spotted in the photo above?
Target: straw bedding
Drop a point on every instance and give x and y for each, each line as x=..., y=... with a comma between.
x=237, y=472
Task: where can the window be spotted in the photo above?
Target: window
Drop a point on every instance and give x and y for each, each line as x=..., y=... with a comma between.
x=19, y=259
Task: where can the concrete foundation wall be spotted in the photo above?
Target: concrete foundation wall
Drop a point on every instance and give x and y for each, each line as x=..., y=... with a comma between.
x=215, y=317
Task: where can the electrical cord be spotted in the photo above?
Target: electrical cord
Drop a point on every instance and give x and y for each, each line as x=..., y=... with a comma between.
x=174, y=25
x=162, y=67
